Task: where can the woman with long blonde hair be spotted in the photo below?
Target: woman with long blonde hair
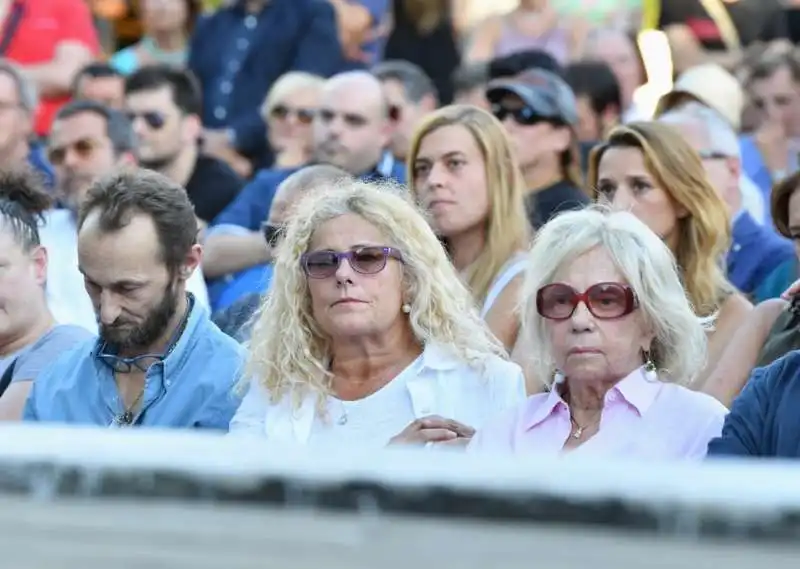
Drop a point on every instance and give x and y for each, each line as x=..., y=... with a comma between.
x=648, y=169
x=463, y=171
x=368, y=337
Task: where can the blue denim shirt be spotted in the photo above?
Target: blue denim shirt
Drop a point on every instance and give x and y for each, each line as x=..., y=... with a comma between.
x=192, y=388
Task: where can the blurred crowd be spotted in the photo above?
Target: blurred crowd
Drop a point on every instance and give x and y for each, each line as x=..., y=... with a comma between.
x=522, y=226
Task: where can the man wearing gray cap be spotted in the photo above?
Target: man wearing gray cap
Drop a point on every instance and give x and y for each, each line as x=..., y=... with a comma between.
x=539, y=111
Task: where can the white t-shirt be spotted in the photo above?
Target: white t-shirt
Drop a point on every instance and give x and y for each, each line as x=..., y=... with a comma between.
x=371, y=421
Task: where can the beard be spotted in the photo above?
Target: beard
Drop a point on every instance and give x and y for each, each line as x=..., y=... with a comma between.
x=125, y=335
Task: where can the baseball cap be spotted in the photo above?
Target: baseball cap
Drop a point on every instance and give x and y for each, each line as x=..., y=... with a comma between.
x=711, y=85
x=544, y=92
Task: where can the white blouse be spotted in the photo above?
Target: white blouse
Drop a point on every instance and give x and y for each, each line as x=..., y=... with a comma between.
x=436, y=383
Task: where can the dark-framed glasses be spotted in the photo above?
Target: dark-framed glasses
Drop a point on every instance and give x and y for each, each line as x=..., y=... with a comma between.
x=605, y=301
x=525, y=116
x=272, y=233
x=153, y=119
x=712, y=155
x=126, y=365
x=364, y=260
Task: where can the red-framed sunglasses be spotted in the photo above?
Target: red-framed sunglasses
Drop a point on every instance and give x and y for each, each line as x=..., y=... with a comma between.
x=605, y=301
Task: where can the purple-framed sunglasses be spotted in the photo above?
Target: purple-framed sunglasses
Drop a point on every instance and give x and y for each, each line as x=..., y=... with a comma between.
x=365, y=260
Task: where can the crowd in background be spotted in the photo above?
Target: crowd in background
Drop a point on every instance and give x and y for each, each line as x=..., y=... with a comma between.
x=552, y=225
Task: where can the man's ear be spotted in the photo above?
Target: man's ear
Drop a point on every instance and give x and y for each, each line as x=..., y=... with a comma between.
x=191, y=262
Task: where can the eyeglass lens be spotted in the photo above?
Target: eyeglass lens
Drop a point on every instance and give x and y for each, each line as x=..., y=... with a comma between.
x=365, y=260
x=558, y=301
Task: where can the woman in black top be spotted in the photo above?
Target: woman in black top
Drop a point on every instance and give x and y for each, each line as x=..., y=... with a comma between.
x=423, y=33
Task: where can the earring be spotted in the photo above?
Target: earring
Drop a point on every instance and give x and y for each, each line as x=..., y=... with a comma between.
x=406, y=308
x=649, y=365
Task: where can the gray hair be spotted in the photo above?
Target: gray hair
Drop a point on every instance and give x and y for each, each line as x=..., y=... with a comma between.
x=679, y=349
x=26, y=90
x=415, y=81
x=721, y=136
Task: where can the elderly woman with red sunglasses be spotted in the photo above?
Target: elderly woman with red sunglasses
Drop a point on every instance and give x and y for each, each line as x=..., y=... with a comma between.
x=611, y=326
x=368, y=336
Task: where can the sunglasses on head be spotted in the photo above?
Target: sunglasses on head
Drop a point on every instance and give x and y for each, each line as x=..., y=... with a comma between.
x=282, y=112
x=83, y=147
x=364, y=260
x=153, y=119
x=272, y=233
x=521, y=115
x=605, y=301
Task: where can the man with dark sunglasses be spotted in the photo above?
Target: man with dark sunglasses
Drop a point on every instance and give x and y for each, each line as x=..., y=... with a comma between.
x=352, y=129
x=539, y=112
x=163, y=104
x=411, y=95
x=239, y=298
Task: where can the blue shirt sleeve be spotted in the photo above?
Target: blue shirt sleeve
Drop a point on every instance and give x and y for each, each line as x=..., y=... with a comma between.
x=743, y=431
x=251, y=206
x=377, y=9
x=320, y=51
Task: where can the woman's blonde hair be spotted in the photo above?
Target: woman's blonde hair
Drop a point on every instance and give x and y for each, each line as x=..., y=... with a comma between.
x=704, y=234
x=507, y=226
x=679, y=349
x=290, y=354
x=287, y=84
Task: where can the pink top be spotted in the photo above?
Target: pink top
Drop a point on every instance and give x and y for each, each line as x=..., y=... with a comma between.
x=642, y=418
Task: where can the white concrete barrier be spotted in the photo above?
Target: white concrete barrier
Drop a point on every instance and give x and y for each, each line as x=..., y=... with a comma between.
x=87, y=498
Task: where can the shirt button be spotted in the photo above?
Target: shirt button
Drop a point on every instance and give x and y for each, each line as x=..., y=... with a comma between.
x=226, y=87
x=736, y=247
x=220, y=113
x=233, y=66
x=168, y=382
x=250, y=22
x=242, y=44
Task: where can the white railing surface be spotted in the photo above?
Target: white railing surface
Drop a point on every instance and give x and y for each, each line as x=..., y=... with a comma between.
x=155, y=499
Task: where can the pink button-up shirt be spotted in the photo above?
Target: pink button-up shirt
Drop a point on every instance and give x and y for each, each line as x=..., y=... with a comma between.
x=642, y=418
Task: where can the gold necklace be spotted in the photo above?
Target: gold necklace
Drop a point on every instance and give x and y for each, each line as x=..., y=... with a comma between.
x=580, y=428
x=126, y=417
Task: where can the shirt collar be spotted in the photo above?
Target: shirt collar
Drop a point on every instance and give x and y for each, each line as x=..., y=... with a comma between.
x=638, y=389
x=440, y=357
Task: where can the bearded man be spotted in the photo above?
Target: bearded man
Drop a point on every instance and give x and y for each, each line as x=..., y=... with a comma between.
x=158, y=361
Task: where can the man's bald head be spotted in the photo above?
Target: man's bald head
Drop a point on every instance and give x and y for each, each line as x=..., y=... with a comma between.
x=368, y=87
x=351, y=127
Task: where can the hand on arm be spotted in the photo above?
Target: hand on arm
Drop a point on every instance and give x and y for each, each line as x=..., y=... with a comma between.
x=434, y=429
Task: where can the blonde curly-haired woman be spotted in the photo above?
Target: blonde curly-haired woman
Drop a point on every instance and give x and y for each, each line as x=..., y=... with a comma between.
x=369, y=336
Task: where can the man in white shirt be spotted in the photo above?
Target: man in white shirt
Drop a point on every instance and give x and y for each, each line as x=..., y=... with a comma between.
x=87, y=140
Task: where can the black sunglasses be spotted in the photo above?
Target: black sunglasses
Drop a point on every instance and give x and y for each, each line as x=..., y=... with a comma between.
x=522, y=115
x=152, y=119
x=272, y=233
x=364, y=260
